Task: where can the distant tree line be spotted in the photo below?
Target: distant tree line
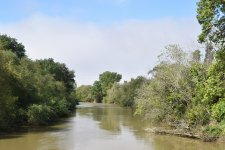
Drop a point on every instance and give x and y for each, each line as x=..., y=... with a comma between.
x=98, y=91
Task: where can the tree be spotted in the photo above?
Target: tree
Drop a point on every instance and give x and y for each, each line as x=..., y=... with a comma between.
x=39, y=114
x=130, y=91
x=114, y=94
x=32, y=92
x=168, y=93
x=83, y=93
x=197, y=113
x=97, y=91
x=8, y=109
x=124, y=94
x=196, y=56
x=211, y=15
x=11, y=44
x=107, y=79
x=60, y=72
x=214, y=86
x=209, y=55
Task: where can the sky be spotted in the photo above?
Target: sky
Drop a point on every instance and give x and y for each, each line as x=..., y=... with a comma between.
x=93, y=36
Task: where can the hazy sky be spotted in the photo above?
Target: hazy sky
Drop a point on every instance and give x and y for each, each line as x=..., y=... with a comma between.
x=93, y=36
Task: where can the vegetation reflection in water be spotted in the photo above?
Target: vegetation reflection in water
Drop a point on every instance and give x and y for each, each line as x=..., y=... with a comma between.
x=100, y=127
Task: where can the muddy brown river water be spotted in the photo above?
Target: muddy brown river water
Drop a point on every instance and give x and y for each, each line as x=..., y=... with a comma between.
x=100, y=127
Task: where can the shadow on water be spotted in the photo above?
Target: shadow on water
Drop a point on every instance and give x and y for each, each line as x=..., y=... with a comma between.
x=56, y=126
x=11, y=136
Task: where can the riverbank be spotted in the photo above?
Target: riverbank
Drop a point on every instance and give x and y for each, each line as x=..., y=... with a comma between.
x=193, y=134
x=176, y=132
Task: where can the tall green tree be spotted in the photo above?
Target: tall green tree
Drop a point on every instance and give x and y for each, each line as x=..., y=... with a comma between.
x=211, y=16
x=107, y=79
x=97, y=91
x=168, y=93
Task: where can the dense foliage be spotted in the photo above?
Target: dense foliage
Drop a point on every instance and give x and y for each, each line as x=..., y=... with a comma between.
x=124, y=94
x=186, y=91
x=32, y=92
x=211, y=15
x=98, y=91
x=167, y=95
x=107, y=79
x=11, y=44
x=84, y=93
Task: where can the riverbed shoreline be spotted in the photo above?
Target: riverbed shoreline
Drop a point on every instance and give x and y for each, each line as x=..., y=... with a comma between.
x=185, y=134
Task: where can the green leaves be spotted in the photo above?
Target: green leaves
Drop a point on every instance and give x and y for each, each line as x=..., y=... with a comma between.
x=169, y=91
x=97, y=91
x=124, y=94
x=11, y=44
x=218, y=111
x=59, y=71
x=83, y=93
x=100, y=87
x=107, y=79
x=34, y=92
x=211, y=15
x=39, y=114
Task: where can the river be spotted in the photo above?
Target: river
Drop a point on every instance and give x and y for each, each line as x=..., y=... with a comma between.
x=100, y=127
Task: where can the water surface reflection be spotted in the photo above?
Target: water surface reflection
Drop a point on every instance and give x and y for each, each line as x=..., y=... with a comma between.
x=100, y=127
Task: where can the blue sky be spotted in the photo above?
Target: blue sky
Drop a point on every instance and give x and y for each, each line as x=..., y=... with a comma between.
x=93, y=36
x=98, y=11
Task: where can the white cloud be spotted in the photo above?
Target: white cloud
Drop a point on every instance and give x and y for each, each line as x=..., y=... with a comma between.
x=129, y=47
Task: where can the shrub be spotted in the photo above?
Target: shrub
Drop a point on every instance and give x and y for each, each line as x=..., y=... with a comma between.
x=60, y=107
x=213, y=130
x=39, y=114
x=218, y=111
